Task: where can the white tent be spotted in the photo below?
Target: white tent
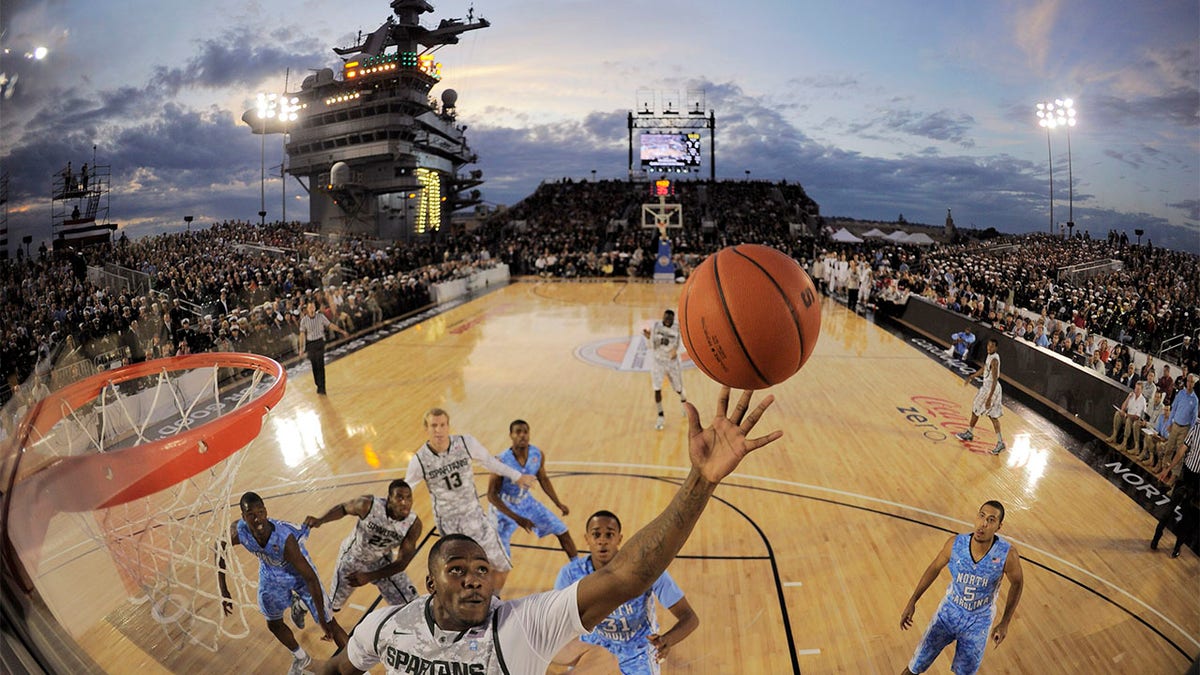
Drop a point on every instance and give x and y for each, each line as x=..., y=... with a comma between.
x=873, y=232
x=844, y=236
x=898, y=236
x=919, y=238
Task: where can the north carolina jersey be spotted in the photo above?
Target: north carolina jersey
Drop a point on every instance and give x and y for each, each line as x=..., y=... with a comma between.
x=664, y=341
x=974, y=585
x=451, y=482
x=278, y=580
x=509, y=490
x=634, y=620
x=965, y=614
x=519, y=637
x=376, y=534
x=519, y=501
x=271, y=565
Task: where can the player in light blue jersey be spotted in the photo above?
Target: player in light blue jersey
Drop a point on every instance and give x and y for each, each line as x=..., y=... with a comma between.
x=630, y=633
x=284, y=569
x=514, y=507
x=977, y=562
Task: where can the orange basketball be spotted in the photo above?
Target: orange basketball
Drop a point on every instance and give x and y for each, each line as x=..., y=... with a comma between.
x=749, y=316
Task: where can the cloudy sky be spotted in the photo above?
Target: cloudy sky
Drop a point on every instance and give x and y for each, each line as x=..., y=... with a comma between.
x=879, y=108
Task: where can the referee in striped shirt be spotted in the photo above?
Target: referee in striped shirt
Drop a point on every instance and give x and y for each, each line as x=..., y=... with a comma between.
x=1187, y=486
x=312, y=341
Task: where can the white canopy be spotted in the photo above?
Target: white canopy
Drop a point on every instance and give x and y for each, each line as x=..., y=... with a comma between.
x=919, y=238
x=898, y=236
x=844, y=236
x=873, y=232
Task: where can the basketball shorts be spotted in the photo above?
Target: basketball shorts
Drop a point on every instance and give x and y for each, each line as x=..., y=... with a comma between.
x=635, y=657
x=275, y=597
x=980, y=406
x=671, y=369
x=480, y=528
x=544, y=521
x=397, y=590
x=970, y=632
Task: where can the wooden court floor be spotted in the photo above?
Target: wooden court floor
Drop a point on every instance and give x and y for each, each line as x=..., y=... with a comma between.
x=803, y=562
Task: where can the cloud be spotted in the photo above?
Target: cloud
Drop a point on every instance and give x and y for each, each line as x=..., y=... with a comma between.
x=942, y=125
x=1033, y=30
x=226, y=61
x=1191, y=207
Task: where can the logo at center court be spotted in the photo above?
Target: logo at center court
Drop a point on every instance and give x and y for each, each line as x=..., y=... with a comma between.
x=626, y=354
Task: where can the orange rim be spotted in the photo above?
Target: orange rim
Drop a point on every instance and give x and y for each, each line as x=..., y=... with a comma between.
x=102, y=480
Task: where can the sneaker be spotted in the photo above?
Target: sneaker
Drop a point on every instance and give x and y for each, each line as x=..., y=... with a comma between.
x=1000, y=446
x=298, y=611
x=299, y=664
x=965, y=435
x=660, y=423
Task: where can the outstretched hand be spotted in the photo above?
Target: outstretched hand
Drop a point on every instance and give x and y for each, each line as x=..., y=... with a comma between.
x=717, y=450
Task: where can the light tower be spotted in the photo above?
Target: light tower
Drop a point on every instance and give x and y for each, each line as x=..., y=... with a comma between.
x=1052, y=115
x=1047, y=120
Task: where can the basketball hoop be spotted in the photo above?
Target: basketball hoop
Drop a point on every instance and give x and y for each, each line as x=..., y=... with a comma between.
x=146, y=455
x=114, y=476
x=662, y=228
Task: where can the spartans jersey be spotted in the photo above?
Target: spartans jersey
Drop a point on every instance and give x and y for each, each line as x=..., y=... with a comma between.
x=272, y=565
x=375, y=535
x=974, y=585
x=987, y=370
x=519, y=637
x=664, y=341
x=451, y=482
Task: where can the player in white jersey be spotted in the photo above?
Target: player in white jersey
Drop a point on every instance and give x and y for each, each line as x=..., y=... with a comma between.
x=444, y=463
x=664, y=360
x=977, y=560
x=368, y=554
x=460, y=628
x=989, y=399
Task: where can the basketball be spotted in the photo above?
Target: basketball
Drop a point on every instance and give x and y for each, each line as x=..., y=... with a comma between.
x=749, y=316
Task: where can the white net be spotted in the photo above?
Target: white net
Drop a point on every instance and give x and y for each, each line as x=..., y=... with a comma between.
x=165, y=545
x=165, y=548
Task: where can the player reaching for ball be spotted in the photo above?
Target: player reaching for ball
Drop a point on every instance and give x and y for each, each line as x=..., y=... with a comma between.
x=664, y=361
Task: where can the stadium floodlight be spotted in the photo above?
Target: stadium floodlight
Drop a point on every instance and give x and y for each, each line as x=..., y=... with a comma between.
x=1064, y=115
x=1047, y=119
x=1052, y=115
x=268, y=108
x=288, y=107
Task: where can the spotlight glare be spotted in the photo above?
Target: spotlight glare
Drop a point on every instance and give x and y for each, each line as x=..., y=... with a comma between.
x=39, y=53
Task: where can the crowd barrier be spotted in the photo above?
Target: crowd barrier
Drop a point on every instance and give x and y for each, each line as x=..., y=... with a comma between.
x=456, y=288
x=1078, y=393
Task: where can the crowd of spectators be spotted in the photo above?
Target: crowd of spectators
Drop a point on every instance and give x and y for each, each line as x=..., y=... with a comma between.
x=238, y=286
x=571, y=229
x=230, y=287
x=1137, y=298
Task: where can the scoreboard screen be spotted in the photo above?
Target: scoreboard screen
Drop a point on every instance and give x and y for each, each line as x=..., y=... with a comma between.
x=670, y=152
